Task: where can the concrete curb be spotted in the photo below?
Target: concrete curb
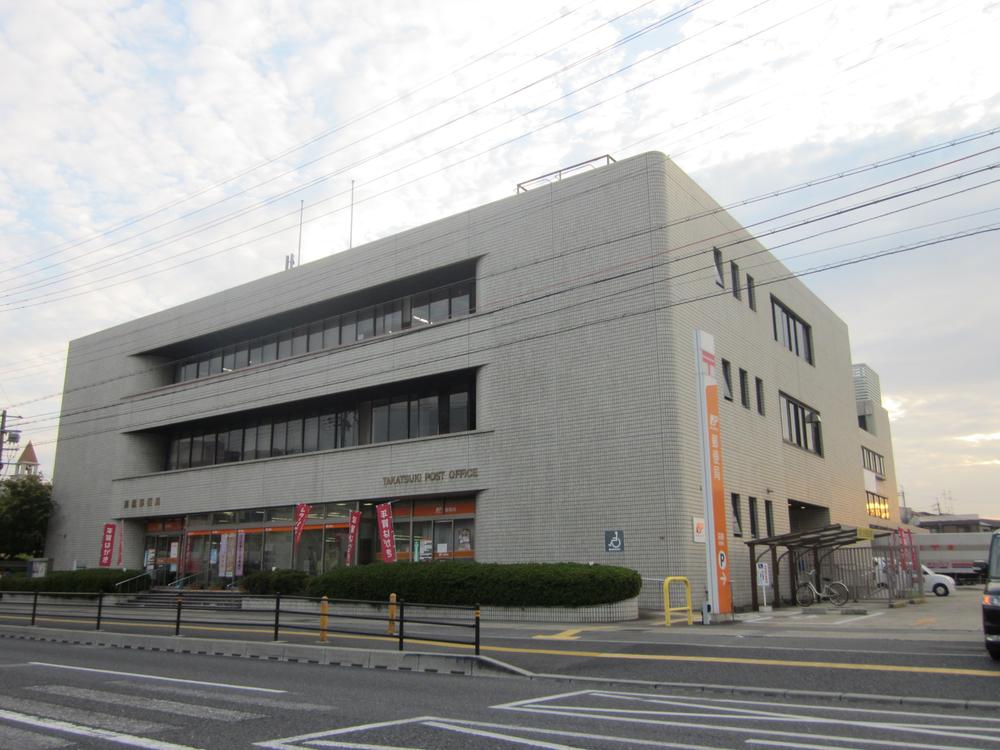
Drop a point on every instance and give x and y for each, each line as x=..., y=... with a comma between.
x=406, y=661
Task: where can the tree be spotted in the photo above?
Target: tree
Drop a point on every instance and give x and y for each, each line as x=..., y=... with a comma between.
x=25, y=507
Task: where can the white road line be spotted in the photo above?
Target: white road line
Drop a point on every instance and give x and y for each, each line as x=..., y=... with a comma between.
x=25, y=740
x=215, y=695
x=360, y=746
x=858, y=618
x=156, y=677
x=649, y=697
x=196, y=710
x=759, y=619
x=774, y=732
x=497, y=736
x=796, y=745
x=91, y=732
x=79, y=715
x=285, y=742
x=553, y=697
x=631, y=741
x=761, y=715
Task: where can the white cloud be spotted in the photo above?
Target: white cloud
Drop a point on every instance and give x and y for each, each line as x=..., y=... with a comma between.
x=979, y=438
x=114, y=109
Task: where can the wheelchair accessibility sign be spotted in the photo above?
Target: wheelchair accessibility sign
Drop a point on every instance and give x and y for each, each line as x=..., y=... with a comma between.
x=614, y=541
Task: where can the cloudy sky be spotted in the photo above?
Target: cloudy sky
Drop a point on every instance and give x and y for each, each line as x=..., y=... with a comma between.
x=155, y=152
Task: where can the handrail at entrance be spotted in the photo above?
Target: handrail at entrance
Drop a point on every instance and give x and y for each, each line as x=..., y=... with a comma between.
x=668, y=610
x=179, y=583
x=120, y=587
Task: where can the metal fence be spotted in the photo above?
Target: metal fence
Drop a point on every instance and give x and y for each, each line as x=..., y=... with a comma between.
x=880, y=570
x=272, y=616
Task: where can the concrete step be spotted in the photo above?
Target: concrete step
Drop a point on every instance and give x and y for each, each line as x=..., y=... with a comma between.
x=201, y=600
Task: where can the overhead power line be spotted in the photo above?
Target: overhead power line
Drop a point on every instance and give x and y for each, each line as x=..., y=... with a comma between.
x=485, y=227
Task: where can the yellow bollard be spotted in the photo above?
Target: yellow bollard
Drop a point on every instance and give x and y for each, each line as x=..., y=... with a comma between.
x=686, y=607
x=324, y=612
x=392, y=614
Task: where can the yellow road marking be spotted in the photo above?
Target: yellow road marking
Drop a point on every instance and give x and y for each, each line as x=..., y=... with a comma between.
x=587, y=654
x=926, y=621
x=571, y=635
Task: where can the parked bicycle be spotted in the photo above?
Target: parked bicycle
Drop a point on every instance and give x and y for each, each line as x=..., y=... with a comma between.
x=833, y=591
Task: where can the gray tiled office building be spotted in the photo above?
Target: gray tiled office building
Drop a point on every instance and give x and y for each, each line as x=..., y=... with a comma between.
x=519, y=379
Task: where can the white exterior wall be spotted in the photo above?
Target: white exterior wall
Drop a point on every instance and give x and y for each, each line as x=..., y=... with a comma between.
x=586, y=399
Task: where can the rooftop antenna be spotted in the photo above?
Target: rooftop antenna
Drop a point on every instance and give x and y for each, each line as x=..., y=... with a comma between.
x=302, y=208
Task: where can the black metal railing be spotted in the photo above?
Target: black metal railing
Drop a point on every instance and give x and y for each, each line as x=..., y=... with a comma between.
x=271, y=616
x=155, y=577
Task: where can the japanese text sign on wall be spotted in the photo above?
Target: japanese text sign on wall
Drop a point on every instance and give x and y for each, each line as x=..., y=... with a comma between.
x=107, y=544
x=301, y=514
x=353, y=524
x=386, y=535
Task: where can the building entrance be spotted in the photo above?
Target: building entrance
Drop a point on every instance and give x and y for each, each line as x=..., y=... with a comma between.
x=163, y=548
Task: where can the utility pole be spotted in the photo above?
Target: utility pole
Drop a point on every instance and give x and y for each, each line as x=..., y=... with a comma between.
x=4, y=440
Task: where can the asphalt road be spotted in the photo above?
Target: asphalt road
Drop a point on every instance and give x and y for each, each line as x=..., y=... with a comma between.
x=930, y=651
x=57, y=695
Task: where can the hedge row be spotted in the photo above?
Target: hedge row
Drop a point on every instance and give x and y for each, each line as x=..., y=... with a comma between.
x=460, y=582
x=90, y=579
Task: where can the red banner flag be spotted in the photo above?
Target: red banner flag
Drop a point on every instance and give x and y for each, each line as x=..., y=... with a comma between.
x=353, y=524
x=301, y=514
x=383, y=513
x=107, y=544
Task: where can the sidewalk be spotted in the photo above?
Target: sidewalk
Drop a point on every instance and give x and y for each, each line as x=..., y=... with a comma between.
x=955, y=617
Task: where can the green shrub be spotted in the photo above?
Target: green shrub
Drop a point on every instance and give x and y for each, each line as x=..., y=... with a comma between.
x=292, y=582
x=460, y=582
x=89, y=580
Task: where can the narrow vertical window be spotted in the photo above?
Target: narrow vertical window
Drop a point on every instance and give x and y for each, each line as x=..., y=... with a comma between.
x=380, y=420
x=719, y=278
x=398, y=418
x=754, y=525
x=751, y=293
x=760, y=397
x=734, y=271
x=734, y=500
x=284, y=344
x=769, y=517
x=300, y=341
x=727, y=380
x=744, y=388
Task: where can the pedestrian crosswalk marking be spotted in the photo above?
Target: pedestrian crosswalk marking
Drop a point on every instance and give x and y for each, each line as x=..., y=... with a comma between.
x=78, y=716
x=25, y=740
x=197, y=711
x=106, y=735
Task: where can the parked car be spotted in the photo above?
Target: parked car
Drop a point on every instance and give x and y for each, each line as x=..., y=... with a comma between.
x=940, y=585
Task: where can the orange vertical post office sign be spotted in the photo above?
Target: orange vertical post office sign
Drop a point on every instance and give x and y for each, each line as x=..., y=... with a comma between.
x=720, y=590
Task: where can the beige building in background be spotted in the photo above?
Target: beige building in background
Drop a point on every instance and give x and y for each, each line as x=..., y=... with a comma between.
x=518, y=379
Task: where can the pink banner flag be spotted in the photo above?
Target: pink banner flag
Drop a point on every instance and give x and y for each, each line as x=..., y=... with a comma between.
x=107, y=544
x=301, y=514
x=353, y=524
x=386, y=534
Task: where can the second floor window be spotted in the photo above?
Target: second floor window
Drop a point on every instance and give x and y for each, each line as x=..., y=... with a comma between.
x=800, y=425
x=791, y=331
x=873, y=461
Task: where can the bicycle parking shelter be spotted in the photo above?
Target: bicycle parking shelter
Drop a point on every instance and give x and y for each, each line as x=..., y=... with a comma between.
x=819, y=542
